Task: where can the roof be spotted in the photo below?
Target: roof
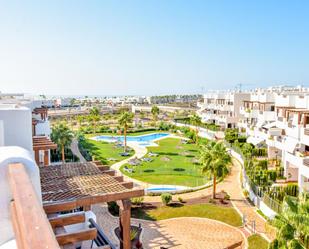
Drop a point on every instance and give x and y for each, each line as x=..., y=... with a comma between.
x=82, y=182
x=43, y=143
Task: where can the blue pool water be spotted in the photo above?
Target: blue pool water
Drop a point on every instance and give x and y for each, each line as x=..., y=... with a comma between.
x=161, y=189
x=143, y=138
x=166, y=188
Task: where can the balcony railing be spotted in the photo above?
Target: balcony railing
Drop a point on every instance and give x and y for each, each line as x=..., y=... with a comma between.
x=306, y=162
x=31, y=226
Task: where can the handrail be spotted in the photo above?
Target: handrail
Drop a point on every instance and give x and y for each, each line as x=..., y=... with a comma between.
x=31, y=226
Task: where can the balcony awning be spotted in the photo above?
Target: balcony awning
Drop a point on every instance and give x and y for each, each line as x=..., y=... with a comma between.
x=254, y=140
x=290, y=144
x=269, y=125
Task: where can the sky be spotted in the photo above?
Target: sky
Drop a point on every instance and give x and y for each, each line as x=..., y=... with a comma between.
x=148, y=47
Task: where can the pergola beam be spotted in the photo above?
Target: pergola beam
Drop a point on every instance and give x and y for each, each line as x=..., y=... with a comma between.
x=68, y=238
x=65, y=220
x=55, y=207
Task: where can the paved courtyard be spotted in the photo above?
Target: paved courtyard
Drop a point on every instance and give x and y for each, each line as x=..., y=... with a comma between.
x=178, y=233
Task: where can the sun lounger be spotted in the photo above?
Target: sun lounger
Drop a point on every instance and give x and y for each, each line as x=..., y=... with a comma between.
x=128, y=170
x=147, y=159
x=152, y=154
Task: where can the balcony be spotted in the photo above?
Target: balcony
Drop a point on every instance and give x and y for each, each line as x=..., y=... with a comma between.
x=304, y=136
x=248, y=113
x=267, y=116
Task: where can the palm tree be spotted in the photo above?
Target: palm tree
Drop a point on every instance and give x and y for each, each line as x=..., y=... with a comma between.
x=292, y=224
x=124, y=120
x=62, y=136
x=196, y=121
x=94, y=117
x=215, y=160
x=94, y=111
x=155, y=112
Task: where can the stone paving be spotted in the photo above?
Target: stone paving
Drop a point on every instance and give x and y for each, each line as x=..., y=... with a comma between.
x=178, y=233
x=75, y=150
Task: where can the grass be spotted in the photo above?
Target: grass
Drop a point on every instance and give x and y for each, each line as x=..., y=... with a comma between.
x=225, y=214
x=256, y=241
x=175, y=165
x=103, y=151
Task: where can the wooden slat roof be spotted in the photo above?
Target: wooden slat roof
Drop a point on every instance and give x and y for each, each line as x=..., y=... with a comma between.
x=82, y=183
x=43, y=143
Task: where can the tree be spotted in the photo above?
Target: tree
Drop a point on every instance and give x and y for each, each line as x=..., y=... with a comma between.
x=230, y=135
x=196, y=121
x=292, y=224
x=94, y=111
x=215, y=160
x=125, y=119
x=62, y=136
x=94, y=117
x=155, y=112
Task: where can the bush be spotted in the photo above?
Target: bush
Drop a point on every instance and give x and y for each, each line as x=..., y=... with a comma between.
x=166, y=198
x=227, y=197
x=138, y=201
x=246, y=193
x=180, y=199
x=113, y=208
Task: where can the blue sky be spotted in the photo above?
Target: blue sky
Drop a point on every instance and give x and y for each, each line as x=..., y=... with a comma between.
x=151, y=47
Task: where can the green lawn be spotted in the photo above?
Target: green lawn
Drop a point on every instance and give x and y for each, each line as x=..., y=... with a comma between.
x=225, y=214
x=104, y=151
x=176, y=163
x=257, y=242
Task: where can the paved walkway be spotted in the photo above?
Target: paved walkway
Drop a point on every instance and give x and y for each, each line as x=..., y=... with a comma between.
x=232, y=186
x=75, y=150
x=178, y=233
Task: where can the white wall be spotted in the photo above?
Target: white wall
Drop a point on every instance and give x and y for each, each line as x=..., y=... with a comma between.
x=1, y=133
x=17, y=126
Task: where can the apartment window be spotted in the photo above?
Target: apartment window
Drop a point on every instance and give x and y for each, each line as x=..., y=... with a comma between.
x=272, y=108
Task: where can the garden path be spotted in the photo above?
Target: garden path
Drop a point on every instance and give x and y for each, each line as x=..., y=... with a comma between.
x=75, y=150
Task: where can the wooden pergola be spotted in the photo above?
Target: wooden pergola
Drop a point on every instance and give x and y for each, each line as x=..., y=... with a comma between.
x=42, y=143
x=302, y=115
x=69, y=186
x=286, y=111
x=261, y=105
x=41, y=111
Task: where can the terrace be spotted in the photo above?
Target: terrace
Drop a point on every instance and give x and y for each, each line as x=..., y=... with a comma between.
x=66, y=188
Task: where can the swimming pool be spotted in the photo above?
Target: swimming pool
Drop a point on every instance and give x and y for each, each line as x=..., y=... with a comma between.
x=165, y=188
x=142, y=140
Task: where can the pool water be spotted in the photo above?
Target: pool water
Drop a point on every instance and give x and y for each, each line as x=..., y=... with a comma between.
x=166, y=188
x=143, y=138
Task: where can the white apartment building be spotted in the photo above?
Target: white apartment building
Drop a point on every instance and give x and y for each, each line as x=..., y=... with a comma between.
x=21, y=121
x=222, y=108
x=279, y=117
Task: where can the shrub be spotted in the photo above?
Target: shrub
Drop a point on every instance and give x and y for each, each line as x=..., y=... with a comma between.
x=166, y=198
x=246, y=193
x=180, y=199
x=133, y=233
x=138, y=201
x=227, y=197
x=113, y=208
x=213, y=201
